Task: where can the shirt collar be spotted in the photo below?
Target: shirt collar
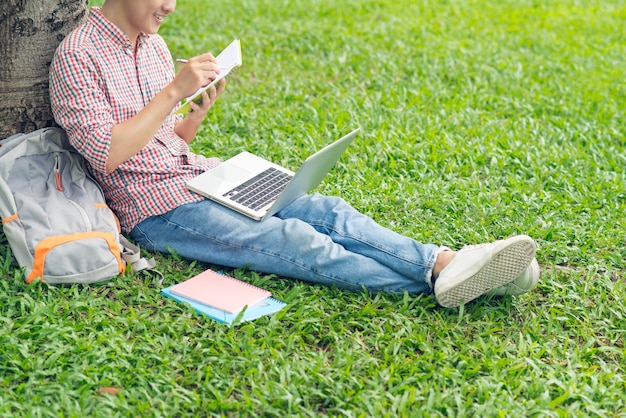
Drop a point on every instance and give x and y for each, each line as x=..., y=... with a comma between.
x=109, y=30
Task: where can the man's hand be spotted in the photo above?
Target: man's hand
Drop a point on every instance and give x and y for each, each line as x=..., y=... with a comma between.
x=209, y=97
x=189, y=126
x=197, y=72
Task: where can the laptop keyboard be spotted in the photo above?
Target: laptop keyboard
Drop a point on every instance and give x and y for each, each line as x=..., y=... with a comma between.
x=259, y=190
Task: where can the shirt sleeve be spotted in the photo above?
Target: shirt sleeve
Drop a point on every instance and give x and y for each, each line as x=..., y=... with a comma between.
x=80, y=106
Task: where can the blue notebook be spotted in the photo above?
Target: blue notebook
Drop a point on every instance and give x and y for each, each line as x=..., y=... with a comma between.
x=266, y=307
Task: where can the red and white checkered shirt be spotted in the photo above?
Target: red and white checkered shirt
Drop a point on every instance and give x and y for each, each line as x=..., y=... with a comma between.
x=96, y=82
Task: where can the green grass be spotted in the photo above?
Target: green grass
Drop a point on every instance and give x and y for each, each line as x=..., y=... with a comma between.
x=481, y=119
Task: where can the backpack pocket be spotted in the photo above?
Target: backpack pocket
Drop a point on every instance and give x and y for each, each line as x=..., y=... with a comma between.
x=63, y=259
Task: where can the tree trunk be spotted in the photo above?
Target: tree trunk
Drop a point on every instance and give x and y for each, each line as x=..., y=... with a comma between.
x=30, y=31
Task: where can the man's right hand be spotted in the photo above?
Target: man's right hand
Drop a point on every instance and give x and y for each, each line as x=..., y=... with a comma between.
x=196, y=73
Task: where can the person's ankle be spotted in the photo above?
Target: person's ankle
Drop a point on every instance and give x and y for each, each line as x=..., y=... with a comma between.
x=443, y=259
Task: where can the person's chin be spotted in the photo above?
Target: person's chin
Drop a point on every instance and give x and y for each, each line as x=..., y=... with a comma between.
x=155, y=25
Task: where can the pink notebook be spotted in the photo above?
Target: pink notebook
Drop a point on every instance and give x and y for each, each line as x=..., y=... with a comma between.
x=221, y=292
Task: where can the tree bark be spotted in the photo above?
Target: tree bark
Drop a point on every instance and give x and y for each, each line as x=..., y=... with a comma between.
x=30, y=31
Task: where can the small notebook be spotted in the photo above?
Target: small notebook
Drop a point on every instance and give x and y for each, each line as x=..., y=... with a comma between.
x=220, y=291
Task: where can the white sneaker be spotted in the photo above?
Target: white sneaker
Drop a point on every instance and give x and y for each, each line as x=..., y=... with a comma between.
x=522, y=284
x=478, y=269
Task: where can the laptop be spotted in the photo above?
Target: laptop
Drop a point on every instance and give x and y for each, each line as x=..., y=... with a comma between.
x=259, y=188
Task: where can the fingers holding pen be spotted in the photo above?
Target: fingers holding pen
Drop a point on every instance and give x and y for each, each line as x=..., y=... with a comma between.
x=198, y=72
x=205, y=67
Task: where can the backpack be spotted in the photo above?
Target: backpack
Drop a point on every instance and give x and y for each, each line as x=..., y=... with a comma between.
x=54, y=214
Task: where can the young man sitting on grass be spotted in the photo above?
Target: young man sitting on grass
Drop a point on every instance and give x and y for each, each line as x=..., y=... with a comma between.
x=113, y=89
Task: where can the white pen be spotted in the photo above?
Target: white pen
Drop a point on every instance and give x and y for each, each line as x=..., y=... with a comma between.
x=181, y=60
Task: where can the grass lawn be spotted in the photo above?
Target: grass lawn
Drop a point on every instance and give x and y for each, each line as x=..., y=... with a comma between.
x=481, y=119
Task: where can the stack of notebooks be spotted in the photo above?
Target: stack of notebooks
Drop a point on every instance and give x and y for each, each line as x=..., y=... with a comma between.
x=224, y=298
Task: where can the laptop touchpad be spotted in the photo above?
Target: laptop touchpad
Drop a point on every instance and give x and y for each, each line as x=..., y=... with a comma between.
x=230, y=173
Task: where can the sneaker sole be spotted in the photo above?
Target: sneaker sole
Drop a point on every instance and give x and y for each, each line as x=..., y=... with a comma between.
x=512, y=289
x=505, y=267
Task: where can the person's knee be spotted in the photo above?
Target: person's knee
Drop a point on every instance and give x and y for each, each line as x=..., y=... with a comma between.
x=328, y=202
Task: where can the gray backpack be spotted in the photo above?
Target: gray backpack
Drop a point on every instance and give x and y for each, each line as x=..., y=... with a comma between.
x=54, y=214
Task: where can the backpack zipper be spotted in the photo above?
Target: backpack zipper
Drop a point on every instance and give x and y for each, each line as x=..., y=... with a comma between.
x=57, y=172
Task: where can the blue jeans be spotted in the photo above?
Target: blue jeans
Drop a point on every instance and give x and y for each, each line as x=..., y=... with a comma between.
x=317, y=239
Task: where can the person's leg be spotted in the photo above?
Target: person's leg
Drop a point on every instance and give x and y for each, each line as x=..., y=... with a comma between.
x=359, y=234
x=495, y=268
x=316, y=239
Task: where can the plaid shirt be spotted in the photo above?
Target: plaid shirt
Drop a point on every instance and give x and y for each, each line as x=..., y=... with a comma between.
x=98, y=81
